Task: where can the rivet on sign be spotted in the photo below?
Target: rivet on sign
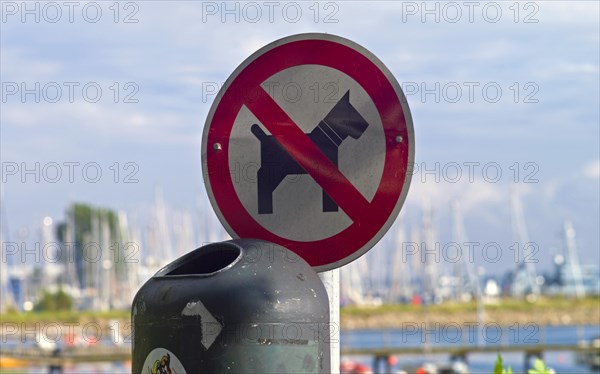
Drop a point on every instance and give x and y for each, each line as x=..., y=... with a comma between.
x=399, y=139
x=217, y=146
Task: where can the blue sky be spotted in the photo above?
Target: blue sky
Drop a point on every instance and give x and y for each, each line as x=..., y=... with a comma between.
x=546, y=52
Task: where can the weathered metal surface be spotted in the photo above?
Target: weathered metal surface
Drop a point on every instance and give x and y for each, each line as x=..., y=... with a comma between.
x=239, y=306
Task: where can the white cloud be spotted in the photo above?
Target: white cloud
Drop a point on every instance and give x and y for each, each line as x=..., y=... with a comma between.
x=577, y=12
x=18, y=65
x=592, y=170
x=481, y=193
x=81, y=120
x=471, y=195
x=550, y=189
x=585, y=68
x=566, y=68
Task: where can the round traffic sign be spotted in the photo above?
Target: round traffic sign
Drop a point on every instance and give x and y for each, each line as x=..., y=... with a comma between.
x=308, y=145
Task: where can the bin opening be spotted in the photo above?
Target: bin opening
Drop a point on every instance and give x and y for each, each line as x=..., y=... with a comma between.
x=210, y=260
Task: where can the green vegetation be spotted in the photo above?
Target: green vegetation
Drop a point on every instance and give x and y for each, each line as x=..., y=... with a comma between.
x=503, y=305
x=54, y=301
x=64, y=316
x=82, y=215
x=500, y=369
x=539, y=367
x=89, y=224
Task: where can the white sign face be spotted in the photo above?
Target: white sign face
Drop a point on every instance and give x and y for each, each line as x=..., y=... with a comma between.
x=308, y=145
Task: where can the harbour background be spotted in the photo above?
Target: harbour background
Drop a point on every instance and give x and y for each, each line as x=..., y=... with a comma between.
x=478, y=363
x=99, y=191
x=380, y=297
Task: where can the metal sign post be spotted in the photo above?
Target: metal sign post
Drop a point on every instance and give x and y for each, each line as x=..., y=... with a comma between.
x=331, y=281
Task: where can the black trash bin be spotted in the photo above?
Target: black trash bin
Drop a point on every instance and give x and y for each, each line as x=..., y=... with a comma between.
x=240, y=306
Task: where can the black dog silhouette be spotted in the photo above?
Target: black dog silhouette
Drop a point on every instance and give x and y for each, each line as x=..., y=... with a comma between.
x=276, y=163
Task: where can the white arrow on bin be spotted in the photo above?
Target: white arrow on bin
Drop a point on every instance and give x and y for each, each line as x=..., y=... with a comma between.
x=211, y=328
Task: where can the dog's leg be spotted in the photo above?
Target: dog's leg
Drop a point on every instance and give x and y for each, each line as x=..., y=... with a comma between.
x=328, y=204
x=265, y=191
x=264, y=175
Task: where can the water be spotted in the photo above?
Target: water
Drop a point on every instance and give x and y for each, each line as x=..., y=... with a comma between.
x=412, y=336
x=91, y=368
x=563, y=362
x=80, y=368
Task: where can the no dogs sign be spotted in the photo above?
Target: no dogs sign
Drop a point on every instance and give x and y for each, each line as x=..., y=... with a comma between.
x=308, y=145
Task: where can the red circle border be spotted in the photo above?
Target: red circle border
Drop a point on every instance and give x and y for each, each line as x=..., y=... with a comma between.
x=261, y=66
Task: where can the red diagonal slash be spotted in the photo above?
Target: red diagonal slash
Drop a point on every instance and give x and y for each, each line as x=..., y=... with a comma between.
x=309, y=156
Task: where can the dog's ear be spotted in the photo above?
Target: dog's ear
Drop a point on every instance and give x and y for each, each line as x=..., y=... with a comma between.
x=346, y=96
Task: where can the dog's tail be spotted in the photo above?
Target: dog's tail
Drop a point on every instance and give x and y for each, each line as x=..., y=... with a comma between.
x=258, y=132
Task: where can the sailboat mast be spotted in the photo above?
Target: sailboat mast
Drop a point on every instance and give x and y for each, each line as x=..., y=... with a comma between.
x=573, y=260
x=522, y=239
